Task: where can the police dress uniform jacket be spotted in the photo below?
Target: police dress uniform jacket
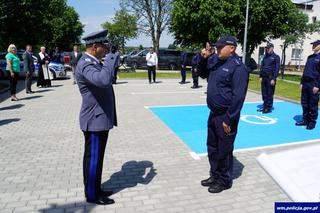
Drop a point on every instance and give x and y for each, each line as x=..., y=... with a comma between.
x=183, y=59
x=270, y=66
x=227, y=86
x=311, y=72
x=98, y=111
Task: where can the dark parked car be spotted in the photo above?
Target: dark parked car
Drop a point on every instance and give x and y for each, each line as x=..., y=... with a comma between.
x=167, y=59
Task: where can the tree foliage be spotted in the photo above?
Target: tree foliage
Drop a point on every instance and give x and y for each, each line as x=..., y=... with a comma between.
x=298, y=28
x=153, y=16
x=197, y=21
x=39, y=22
x=122, y=28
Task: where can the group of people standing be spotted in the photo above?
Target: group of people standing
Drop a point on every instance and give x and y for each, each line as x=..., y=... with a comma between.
x=309, y=84
x=44, y=76
x=13, y=69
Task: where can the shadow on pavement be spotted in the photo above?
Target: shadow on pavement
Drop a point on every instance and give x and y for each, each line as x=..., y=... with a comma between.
x=237, y=168
x=59, y=85
x=7, y=121
x=44, y=90
x=121, y=82
x=31, y=97
x=16, y=106
x=298, y=118
x=132, y=173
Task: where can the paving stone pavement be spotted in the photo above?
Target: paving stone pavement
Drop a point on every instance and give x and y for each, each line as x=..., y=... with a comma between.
x=146, y=164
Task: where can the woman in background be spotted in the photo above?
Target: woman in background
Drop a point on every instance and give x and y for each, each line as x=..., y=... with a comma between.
x=13, y=67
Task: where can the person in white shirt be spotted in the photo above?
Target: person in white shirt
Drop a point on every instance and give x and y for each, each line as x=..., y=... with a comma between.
x=152, y=63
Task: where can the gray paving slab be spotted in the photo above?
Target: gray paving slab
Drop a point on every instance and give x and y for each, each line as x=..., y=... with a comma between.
x=41, y=149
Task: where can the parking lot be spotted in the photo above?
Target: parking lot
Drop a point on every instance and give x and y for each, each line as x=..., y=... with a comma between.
x=147, y=164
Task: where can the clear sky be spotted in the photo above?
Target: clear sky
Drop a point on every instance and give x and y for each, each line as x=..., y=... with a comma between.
x=95, y=12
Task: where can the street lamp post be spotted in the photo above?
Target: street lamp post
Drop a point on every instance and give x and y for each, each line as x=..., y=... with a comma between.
x=245, y=35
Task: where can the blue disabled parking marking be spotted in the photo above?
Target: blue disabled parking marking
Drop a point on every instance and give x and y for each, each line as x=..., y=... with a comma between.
x=255, y=129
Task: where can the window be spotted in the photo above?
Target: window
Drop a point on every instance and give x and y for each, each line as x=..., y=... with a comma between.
x=314, y=19
x=296, y=53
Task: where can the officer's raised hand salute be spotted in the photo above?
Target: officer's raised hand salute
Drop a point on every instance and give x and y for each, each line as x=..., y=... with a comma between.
x=98, y=112
x=226, y=91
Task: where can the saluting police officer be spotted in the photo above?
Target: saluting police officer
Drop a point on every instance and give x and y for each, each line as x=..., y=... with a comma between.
x=98, y=112
x=310, y=83
x=268, y=75
x=226, y=91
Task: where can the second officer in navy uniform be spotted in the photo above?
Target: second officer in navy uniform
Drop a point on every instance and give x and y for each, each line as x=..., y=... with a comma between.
x=183, y=60
x=226, y=91
x=268, y=75
x=194, y=69
x=98, y=112
x=310, y=84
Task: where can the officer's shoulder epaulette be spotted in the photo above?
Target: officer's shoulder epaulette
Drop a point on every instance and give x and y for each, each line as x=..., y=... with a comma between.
x=237, y=61
x=87, y=60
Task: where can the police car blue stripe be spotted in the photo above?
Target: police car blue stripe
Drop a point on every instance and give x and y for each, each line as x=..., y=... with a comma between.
x=93, y=165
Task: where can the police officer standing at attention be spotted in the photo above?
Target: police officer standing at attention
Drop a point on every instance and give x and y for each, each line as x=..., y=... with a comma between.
x=310, y=83
x=183, y=60
x=194, y=69
x=268, y=75
x=98, y=112
x=227, y=88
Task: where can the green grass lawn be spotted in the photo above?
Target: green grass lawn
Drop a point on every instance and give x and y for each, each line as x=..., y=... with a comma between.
x=283, y=89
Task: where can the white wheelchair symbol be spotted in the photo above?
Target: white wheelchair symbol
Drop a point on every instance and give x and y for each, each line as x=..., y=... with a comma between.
x=259, y=120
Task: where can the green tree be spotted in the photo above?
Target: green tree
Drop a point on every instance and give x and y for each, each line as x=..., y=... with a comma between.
x=153, y=17
x=196, y=21
x=298, y=29
x=38, y=22
x=122, y=28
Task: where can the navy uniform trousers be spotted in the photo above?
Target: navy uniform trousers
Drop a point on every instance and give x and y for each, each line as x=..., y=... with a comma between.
x=95, y=145
x=309, y=102
x=220, y=148
x=183, y=74
x=195, y=76
x=267, y=91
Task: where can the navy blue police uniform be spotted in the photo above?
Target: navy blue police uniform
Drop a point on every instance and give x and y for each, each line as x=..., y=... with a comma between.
x=269, y=71
x=309, y=100
x=97, y=116
x=194, y=70
x=183, y=61
x=226, y=91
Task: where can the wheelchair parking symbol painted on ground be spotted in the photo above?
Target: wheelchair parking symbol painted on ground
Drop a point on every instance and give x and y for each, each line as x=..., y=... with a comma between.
x=255, y=129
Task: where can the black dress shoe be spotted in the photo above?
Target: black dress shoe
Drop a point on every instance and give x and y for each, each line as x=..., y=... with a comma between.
x=208, y=182
x=217, y=188
x=265, y=111
x=106, y=193
x=101, y=200
x=301, y=123
x=311, y=126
